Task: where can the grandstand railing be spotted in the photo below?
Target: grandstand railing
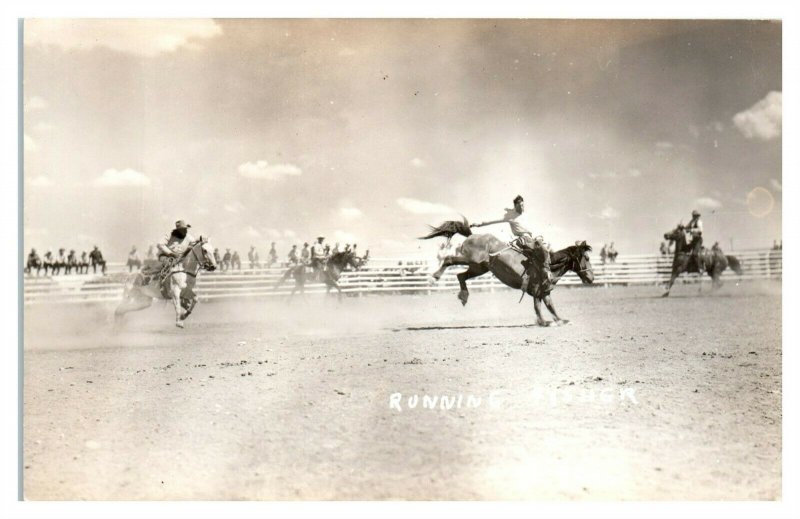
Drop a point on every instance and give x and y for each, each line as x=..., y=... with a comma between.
x=381, y=275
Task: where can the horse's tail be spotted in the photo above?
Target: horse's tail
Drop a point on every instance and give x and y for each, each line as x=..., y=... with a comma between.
x=735, y=264
x=449, y=229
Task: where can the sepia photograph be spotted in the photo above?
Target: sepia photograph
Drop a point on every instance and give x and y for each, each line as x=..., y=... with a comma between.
x=401, y=259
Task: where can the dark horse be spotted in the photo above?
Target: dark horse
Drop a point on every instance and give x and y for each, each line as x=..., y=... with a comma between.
x=683, y=261
x=329, y=275
x=483, y=253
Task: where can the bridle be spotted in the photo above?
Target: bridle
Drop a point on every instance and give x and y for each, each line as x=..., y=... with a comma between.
x=578, y=268
x=201, y=261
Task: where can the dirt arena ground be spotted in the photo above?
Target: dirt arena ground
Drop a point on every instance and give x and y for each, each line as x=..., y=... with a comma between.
x=638, y=398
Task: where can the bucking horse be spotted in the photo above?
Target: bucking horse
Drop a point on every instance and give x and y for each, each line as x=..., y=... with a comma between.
x=684, y=261
x=329, y=275
x=178, y=284
x=483, y=253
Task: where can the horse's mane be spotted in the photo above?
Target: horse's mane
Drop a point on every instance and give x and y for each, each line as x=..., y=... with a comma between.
x=573, y=251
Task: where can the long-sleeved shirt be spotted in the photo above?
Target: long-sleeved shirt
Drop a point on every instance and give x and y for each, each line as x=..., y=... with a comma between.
x=695, y=225
x=515, y=221
x=175, y=244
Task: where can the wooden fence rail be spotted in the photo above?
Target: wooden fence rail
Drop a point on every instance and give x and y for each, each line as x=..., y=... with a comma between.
x=382, y=275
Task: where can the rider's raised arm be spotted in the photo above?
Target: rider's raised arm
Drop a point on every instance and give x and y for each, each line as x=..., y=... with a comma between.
x=508, y=216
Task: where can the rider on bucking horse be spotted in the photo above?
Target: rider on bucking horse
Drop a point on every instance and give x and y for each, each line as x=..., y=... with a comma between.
x=171, y=248
x=534, y=249
x=695, y=229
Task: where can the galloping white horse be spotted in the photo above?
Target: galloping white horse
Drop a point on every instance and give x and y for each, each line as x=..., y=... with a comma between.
x=178, y=285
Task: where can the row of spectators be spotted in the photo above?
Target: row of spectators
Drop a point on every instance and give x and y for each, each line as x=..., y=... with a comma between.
x=55, y=264
x=231, y=260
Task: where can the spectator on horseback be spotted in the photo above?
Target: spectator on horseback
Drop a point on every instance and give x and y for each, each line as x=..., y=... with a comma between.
x=695, y=229
x=318, y=256
x=226, y=260
x=293, y=259
x=217, y=257
x=97, y=259
x=305, y=254
x=603, y=254
x=534, y=249
x=236, y=261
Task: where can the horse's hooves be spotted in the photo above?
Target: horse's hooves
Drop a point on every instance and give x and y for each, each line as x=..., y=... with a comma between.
x=179, y=324
x=543, y=323
x=665, y=294
x=463, y=297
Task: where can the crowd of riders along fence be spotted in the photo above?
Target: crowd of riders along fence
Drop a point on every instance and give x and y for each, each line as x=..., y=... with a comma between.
x=385, y=275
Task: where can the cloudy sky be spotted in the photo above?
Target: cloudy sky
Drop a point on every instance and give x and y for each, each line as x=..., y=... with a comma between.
x=367, y=130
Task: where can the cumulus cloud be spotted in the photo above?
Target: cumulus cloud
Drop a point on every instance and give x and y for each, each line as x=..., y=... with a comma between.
x=260, y=169
x=140, y=37
x=252, y=232
x=30, y=144
x=351, y=213
x=415, y=206
x=40, y=181
x=33, y=104
x=122, y=178
x=708, y=203
x=763, y=120
x=607, y=213
x=417, y=163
